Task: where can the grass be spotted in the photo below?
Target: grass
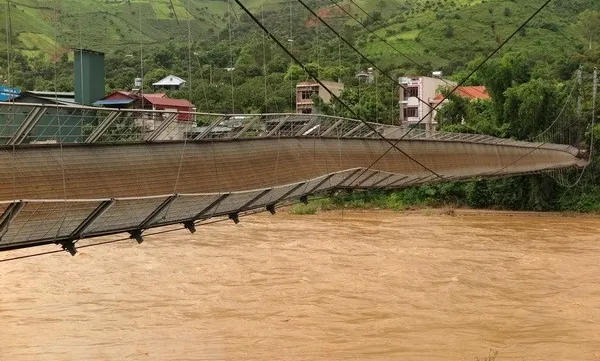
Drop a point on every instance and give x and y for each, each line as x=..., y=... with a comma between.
x=106, y=24
x=32, y=41
x=305, y=209
x=357, y=200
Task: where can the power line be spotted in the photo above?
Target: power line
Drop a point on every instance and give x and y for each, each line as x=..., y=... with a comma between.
x=316, y=78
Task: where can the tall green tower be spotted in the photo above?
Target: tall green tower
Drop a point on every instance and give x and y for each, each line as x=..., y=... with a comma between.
x=89, y=76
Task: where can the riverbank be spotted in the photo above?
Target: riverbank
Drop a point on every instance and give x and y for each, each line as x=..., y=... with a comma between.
x=538, y=193
x=319, y=205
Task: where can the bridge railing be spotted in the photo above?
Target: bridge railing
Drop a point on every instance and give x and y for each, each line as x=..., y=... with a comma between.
x=25, y=123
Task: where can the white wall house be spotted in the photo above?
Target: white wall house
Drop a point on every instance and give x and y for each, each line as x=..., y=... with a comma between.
x=417, y=99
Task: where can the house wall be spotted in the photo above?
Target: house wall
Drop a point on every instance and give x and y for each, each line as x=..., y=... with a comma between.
x=72, y=123
x=427, y=90
x=308, y=104
x=335, y=87
x=89, y=77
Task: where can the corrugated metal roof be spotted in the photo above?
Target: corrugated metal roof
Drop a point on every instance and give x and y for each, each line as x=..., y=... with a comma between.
x=171, y=80
x=8, y=93
x=168, y=102
x=114, y=102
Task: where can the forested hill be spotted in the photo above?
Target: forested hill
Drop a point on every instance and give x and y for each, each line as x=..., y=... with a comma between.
x=531, y=80
x=420, y=36
x=439, y=33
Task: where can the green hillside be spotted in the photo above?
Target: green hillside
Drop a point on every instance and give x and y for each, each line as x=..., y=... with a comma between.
x=435, y=33
x=528, y=80
x=106, y=24
x=421, y=35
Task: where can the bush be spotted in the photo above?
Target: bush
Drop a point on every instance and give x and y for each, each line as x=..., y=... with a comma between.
x=303, y=209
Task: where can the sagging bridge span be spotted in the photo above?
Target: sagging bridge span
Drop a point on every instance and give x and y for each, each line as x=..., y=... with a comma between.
x=73, y=172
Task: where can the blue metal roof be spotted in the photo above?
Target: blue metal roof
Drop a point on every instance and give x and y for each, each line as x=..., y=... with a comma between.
x=8, y=93
x=114, y=102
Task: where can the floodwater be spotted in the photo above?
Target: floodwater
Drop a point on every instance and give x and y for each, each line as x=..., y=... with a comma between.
x=333, y=286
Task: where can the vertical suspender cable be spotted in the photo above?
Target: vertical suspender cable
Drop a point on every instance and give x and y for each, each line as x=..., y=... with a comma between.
x=10, y=86
x=291, y=41
x=230, y=9
x=595, y=94
x=333, y=95
x=264, y=44
x=189, y=114
x=142, y=55
x=57, y=114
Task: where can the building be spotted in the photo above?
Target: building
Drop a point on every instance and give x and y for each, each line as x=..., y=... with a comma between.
x=171, y=82
x=306, y=90
x=41, y=125
x=7, y=94
x=416, y=97
x=157, y=101
x=366, y=77
x=177, y=126
x=89, y=76
x=47, y=97
x=44, y=122
x=420, y=95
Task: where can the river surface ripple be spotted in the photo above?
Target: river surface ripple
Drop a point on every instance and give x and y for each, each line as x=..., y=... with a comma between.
x=334, y=286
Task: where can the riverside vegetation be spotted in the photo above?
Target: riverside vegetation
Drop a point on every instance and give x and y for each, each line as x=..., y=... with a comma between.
x=529, y=80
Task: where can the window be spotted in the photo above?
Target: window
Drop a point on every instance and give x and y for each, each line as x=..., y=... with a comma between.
x=411, y=92
x=306, y=95
x=411, y=112
x=307, y=111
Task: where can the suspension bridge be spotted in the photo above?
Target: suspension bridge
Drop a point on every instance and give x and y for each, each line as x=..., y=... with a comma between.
x=72, y=172
x=76, y=172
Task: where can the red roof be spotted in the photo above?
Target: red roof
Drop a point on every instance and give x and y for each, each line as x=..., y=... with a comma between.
x=168, y=102
x=156, y=95
x=119, y=95
x=474, y=92
x=471, y=92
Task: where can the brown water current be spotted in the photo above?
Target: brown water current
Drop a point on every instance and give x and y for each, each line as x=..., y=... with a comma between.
x=334, y=286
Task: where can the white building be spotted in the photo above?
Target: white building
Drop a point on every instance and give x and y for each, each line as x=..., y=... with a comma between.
x=417, y=99
x=170, y=82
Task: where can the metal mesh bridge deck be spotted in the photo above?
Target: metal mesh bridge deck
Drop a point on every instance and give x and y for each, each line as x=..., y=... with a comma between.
x=77, y=172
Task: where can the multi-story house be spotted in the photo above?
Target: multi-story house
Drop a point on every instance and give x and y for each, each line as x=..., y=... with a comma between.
x=306, y=90
x=417, y=99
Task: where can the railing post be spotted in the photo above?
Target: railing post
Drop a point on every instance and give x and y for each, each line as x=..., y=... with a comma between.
x=28, y=124
x=9, y=214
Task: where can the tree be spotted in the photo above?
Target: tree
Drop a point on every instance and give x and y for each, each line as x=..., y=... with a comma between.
x=532, y=107
x=589, y=25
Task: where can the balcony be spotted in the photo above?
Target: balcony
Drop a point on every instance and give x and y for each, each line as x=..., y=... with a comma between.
x=412, y=102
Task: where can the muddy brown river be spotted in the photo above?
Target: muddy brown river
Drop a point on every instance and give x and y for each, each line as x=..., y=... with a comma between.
x=333, y=286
